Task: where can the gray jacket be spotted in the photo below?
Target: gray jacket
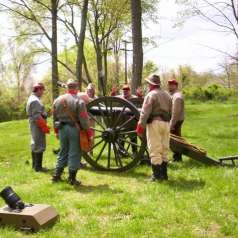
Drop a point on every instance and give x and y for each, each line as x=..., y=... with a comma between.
x=35, y=108
x=177, y=109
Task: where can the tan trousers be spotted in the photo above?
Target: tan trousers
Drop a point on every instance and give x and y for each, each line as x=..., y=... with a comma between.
x=157, y=134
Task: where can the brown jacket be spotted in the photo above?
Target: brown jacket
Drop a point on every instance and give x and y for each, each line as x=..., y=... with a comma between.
x=155, y=101
x=177, y=109
x=75, y=105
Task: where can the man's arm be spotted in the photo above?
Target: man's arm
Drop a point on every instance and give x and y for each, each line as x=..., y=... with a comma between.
x=144, y=115
x=35, y=113
x=35, y=110
x=84, y=119
x=176, y=112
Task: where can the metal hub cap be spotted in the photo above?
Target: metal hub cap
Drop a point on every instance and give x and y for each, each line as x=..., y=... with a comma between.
x=109, y=135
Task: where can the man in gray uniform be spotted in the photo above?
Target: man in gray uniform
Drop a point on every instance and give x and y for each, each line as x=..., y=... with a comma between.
x=126, y=92
x=69, y=109
x=127, y=95
x=177, y=113
x=38, y=126
x=155, y=116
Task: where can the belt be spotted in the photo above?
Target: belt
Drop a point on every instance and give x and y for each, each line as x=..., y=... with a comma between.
x=63, y=123
x=158, y=118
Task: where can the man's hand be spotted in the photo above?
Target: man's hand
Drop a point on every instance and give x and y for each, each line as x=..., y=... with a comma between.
x=90, y=133
x=140, y=130
x=56, y=130
x=42, y=124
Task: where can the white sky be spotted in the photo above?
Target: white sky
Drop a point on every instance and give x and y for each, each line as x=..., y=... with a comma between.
x=187, y=44
x=176, y=46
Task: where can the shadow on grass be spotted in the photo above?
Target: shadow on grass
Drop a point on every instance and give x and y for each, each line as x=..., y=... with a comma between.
x=187, y=163
x=133, y=173
x=128, y=174
x=88, y=188
x=96, y=189
x=183, y=184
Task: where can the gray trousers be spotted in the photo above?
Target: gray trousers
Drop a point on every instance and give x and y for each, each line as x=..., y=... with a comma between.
x=38, y=138
x=70, y=153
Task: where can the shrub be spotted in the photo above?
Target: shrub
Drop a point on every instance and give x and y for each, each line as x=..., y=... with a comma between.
x=11, y=110
x=211, y=92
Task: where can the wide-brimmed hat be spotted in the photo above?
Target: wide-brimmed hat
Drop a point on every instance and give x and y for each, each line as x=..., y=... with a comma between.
x=72, y=82
x=126, y=87
x=153, y=79
x=173, y=82
x=37, y=86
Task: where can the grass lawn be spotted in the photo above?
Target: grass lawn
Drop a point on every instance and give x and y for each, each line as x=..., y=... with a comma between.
x=197, y=201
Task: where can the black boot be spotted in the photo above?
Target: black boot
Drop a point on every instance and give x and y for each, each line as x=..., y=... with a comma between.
x=57, y=176
x=72, y=178
x=38, y=164
x=164, y=174
x=33, y=159
x=177, y=157
x=156, y=172
x=56, y=151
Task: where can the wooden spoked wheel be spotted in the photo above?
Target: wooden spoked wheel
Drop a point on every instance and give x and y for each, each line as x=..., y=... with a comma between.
x=116, y=146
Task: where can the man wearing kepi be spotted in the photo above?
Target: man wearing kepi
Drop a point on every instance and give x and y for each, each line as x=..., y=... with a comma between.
x=38, y=126
x=155, y=116
x=177, y=113
x=69, y=109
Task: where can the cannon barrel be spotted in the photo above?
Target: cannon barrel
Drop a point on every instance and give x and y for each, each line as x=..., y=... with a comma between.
x=107, y=111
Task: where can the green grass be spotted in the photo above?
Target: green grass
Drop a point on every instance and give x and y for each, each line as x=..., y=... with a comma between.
x=197, y=201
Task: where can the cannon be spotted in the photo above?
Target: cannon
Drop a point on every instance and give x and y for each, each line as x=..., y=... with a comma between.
x=117, y=147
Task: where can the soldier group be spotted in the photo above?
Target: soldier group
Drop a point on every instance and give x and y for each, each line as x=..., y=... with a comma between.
x=162, y=113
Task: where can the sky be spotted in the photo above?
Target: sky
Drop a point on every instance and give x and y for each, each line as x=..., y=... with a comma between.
x=188, y=44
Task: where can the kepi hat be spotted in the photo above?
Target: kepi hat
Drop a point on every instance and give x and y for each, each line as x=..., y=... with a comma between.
x=126, y=87
x=71, y=82
x=37, y=86
x=173, y=81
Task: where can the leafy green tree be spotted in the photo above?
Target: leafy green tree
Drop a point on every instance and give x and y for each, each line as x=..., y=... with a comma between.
x=41, y=15
x=149, y=68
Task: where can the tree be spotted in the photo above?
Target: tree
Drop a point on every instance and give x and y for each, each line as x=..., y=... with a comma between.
x=137, y=67
x=229, y=78
x=40, y=14
x=149, y=68
x=70, y=18
x=22, y=62
x=104, y=18
x=80, y=55
x=2, y=65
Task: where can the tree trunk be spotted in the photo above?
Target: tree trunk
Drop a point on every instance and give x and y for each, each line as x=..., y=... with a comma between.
x=116, y=49
x=117, y=68
x=18, y=88
x=101, y=84
x=86, y=69
x=79, y=61
x=105, y=68
x=54, y=54
x=137, y=67
x=105, y=52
